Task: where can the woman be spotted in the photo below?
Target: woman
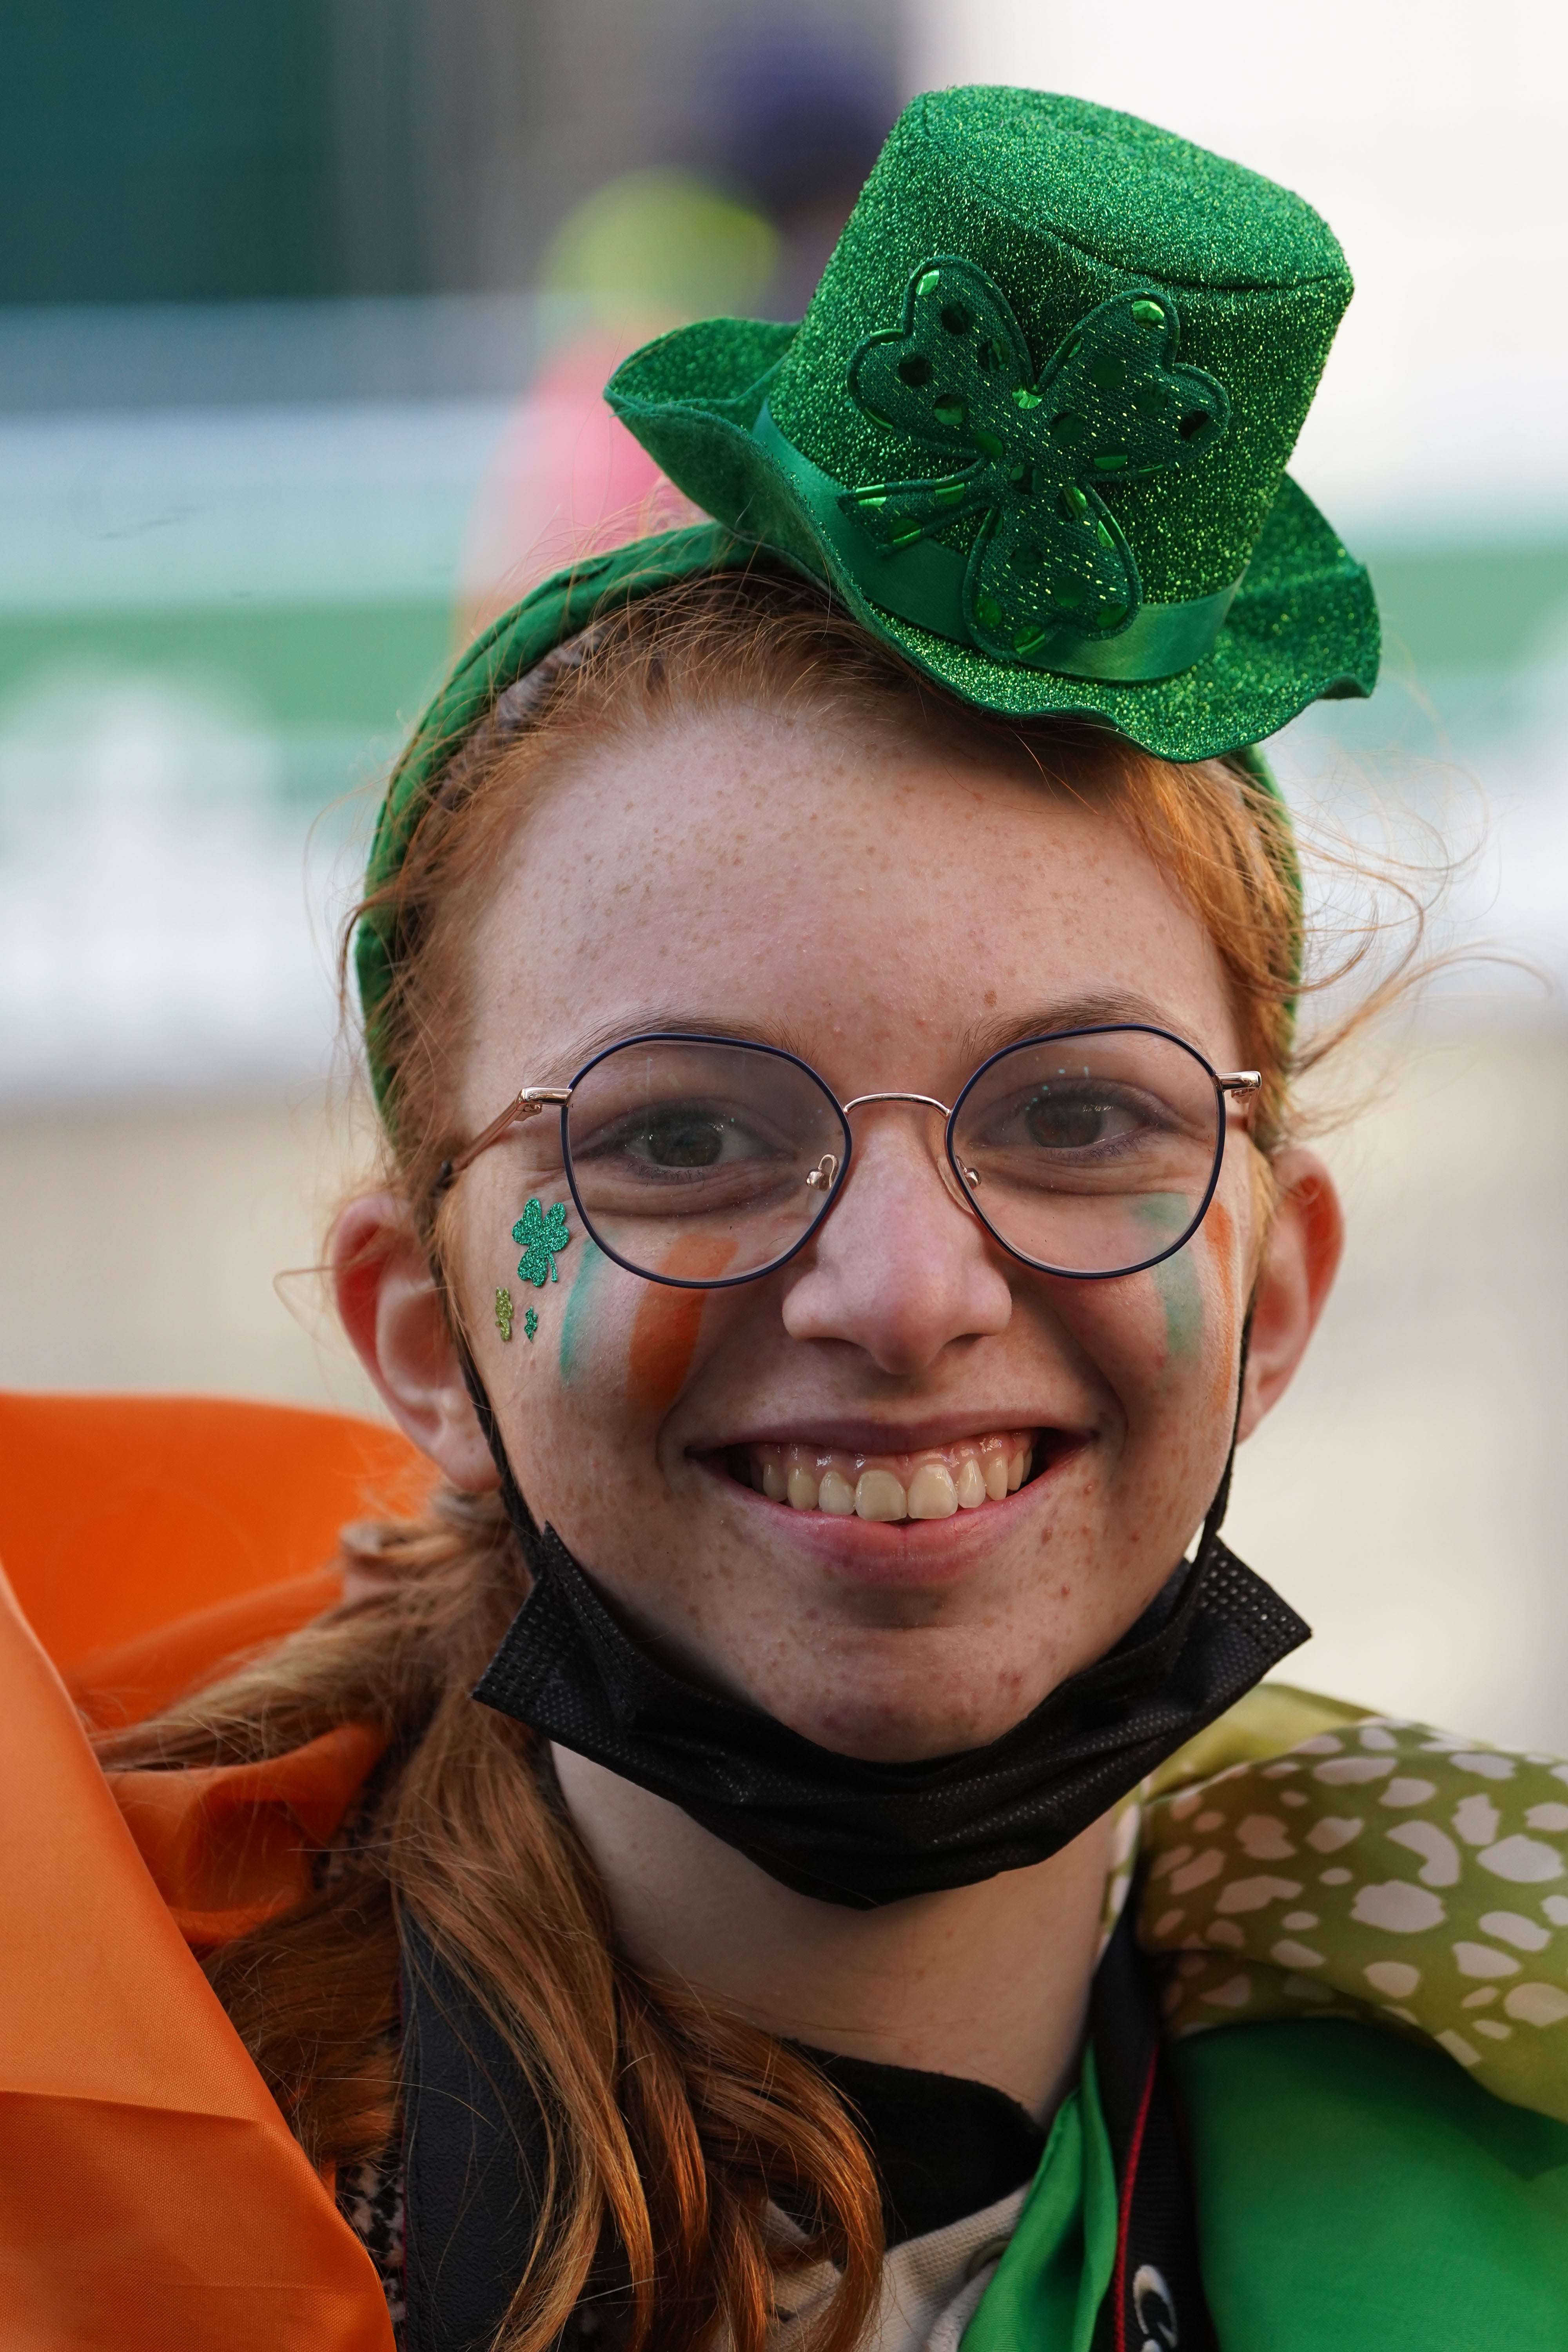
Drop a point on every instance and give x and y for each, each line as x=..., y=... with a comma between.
x=829, y=983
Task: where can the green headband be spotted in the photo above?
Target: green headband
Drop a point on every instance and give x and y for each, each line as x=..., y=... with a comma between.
x=558, y=609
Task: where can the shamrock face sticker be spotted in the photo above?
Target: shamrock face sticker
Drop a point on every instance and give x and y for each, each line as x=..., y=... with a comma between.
x=540, y=1235
x=1027, y=454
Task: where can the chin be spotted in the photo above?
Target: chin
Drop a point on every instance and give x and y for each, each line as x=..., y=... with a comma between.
x=904, y=1710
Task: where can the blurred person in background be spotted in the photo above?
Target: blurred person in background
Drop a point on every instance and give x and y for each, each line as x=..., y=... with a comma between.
x=779, y=141
x=798, y=1852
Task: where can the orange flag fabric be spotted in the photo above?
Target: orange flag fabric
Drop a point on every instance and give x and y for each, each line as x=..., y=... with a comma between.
x=228, y=1847
x=122, y=1516
x=152, y=2196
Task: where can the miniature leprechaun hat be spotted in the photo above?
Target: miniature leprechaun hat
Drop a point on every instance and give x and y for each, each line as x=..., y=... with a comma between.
x=1033, y=428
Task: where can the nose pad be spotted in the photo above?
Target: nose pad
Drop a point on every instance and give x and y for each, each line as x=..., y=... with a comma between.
x=820, y=1178
x=962, y=1194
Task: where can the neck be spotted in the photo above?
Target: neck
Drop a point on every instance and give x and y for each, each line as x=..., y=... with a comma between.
x=989, y=1981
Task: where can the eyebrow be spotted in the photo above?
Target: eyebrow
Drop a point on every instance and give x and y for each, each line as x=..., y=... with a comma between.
x=1116, y=1007
x=663, y=1020
x=974, y=1044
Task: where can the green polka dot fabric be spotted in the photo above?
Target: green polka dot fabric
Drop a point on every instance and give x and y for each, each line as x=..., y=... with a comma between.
x=1365, y=1868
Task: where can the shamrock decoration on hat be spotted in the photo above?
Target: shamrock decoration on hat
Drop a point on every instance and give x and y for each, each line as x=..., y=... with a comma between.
x=1110, y=403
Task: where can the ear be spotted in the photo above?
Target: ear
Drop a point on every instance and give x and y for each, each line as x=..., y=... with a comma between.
x=1300, y=1257
x=395, y=1317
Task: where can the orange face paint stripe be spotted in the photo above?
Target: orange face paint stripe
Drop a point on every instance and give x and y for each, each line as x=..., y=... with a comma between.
x=667, y=1322
x=1221, y=1230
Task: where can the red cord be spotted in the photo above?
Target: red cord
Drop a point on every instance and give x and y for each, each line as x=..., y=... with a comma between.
x=1124, y=2210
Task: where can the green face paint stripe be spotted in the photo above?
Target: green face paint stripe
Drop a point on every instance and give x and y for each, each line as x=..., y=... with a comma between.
x=1181, y=1294
x=1175, y=1278
x=588, y=1265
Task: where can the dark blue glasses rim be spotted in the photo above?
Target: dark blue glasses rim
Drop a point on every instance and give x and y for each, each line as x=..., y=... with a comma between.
x=749, y=1046
x=1058, y=1036
x=782, y=1053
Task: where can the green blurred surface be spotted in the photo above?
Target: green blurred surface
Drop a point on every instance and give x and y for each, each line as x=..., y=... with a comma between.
x=166, y=151
x=1471, y=608
x=369, y=666
x=296, y=667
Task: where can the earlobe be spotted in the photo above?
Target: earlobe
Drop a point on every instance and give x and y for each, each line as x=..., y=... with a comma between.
x=1300, y=1257
x=397, y=1322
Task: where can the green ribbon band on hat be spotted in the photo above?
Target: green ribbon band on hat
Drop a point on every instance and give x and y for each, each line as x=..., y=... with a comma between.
x=924, y=582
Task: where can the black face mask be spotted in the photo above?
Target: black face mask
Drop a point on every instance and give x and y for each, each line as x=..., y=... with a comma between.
x=862, y=1834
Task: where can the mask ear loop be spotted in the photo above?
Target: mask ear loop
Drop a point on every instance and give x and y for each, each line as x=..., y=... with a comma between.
x=522, y=1521
x=517, y=1510
x=521, y=1518
x=1214, y=1515
x=1180, y=1593
x=1180, y=1588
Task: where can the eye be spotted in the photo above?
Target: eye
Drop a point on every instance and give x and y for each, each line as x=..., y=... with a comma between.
x=676, y=1138
x=1076, y=1121
x=682, y=1138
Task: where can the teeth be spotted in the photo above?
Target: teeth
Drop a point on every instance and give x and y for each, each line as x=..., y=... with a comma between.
x=970, y=1490
x=932, y=1494
x=880, y=1495
x=932, y=1485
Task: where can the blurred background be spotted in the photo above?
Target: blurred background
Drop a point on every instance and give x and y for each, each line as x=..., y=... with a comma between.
x=304, y=307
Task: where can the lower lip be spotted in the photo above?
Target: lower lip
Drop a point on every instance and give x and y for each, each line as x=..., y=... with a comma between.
x=901, y=1551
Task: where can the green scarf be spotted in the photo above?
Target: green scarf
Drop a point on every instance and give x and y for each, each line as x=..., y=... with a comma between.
x=1306, y=1870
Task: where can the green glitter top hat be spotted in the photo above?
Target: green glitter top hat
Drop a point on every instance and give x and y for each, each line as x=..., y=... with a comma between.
x=1033, y=428
x=1033, y=432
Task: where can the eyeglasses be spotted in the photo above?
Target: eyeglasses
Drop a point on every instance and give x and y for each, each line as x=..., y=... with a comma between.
x=703, y=1161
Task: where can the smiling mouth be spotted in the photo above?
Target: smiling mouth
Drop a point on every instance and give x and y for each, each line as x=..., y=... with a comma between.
x=933, y=1484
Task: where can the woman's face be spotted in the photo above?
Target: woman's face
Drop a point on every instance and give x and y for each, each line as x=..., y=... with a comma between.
x=892, y=912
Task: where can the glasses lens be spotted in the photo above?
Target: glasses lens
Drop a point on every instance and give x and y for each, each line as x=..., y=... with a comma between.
x=1091, y=1154
x=701, y=1162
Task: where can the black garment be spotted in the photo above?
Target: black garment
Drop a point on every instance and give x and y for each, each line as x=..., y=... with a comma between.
x=941, y=2147
x=473, y=2160
x=473, y=2155
x=861, y=1834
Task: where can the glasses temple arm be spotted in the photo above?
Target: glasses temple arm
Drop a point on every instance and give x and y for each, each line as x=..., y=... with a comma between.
x=526, y=1104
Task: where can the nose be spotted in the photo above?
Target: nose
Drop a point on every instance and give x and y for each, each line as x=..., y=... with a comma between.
x=899, y=1268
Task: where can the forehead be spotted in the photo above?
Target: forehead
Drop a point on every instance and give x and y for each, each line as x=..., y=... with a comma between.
x=838, y=883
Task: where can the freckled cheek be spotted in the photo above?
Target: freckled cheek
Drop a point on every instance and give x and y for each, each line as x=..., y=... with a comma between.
x=1120, y=1331
x=668, y=1323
